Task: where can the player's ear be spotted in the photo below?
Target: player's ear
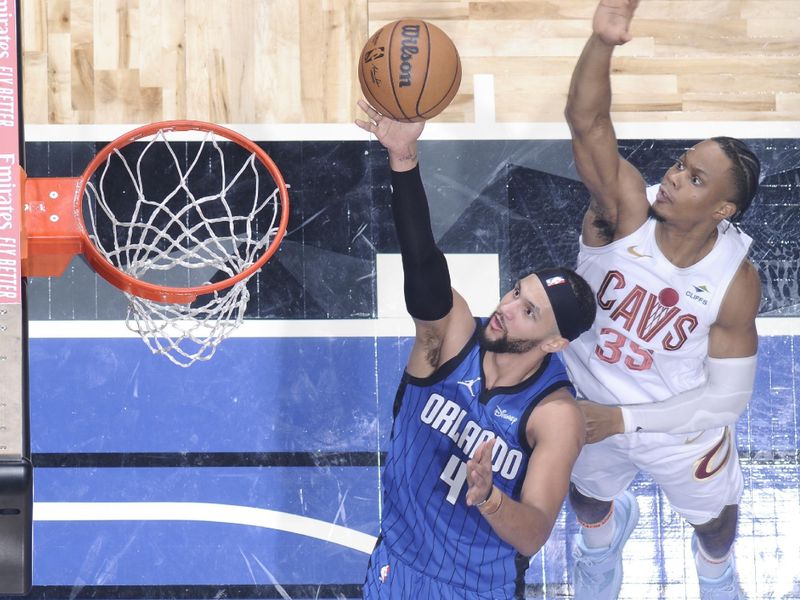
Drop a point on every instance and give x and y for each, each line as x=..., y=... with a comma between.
x=555, y=343
x=726, y=210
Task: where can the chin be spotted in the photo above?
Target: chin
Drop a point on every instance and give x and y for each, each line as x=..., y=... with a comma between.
x=654, y=213
x=487, y=336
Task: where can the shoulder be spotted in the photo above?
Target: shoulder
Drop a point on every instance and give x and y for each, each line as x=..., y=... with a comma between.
x=556, y=416
x=747, y=278
x=436, y=342
x=743, y=297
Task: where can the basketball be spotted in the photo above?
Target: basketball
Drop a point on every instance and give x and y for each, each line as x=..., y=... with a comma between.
x=409, y=70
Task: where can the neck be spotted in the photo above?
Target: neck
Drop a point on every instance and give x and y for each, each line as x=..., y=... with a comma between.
x=506, y=369
x=685, y=247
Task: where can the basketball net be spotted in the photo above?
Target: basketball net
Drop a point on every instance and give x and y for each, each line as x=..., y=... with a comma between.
x=188, y=231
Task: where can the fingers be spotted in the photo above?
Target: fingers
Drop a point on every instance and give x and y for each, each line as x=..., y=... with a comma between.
x=370, y=126
x=479, y=473
x=479, y=467
x=586, y=410
x=481, y=461
x=371, y=112
x=363, y=105
x=479, y=482
x=366, y=125
x=486, y=449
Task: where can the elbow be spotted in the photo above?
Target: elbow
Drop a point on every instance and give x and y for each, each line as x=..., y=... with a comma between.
x=537, y=531
x=528, y=550
x=531, y=545
x=571, y=114
x=532, y=530
x=574, y=113
x=583, y=124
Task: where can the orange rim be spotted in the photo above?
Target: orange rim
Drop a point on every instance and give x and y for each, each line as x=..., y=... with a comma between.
x=167, y=294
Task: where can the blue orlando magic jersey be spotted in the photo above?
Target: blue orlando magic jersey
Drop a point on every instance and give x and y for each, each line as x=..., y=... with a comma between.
x=439, y=421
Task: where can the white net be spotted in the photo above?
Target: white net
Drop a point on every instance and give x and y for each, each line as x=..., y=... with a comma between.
x=183, y=214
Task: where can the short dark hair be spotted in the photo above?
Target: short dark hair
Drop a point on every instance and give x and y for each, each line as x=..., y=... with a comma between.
x=745, y=170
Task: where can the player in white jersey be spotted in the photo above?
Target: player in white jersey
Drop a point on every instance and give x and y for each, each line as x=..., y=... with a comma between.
x=669, y=364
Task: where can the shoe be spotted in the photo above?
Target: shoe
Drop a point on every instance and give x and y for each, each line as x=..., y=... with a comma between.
x=724, y=587
x=598, y=571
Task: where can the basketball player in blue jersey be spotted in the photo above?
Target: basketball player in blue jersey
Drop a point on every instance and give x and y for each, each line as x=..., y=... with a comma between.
x=486, y=428
x=670, y=362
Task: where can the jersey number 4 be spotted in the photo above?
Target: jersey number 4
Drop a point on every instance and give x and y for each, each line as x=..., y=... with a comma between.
x=618, y=347
x=454, y=474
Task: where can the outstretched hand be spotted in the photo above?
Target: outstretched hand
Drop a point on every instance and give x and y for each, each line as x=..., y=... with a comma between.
x=395, y=136
x=612, y=19
x=479, y=473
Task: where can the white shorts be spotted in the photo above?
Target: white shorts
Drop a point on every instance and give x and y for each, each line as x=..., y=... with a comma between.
x=698, y=472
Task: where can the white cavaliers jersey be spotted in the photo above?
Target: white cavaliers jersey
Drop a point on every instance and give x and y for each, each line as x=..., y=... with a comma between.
x=650, y=338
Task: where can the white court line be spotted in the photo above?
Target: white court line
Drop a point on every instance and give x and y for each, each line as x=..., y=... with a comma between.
x=483, y=130
x=204, y=512
x=483, y=86
x=772, y=326
x=322, y=328
x=480, y=291
x=307, y=328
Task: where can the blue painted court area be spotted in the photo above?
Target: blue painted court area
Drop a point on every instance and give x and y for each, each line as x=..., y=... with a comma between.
x=218, y=461
x=255, y=395
x=153, y=551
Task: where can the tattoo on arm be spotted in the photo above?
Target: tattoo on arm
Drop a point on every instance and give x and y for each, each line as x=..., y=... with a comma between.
x=409, y=157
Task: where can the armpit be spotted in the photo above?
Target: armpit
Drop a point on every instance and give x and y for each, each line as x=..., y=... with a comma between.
x=605, y=229
x=601, y=221
x=433, y=349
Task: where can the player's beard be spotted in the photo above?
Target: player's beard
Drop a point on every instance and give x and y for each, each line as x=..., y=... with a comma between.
x=503, y=345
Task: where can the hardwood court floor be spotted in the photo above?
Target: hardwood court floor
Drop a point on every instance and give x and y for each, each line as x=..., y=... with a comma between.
x=293, y=61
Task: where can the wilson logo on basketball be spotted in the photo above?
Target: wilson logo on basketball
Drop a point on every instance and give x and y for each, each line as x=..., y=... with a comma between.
x=409, y=70
x=408, y=48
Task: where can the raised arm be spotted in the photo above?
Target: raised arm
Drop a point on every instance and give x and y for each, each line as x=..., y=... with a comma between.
x=555, y=431
x=442, y=318
x=730, y=366
x=619, y=204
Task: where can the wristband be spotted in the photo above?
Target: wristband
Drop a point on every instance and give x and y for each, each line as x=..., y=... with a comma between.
x=485, y=500
x=492, y=504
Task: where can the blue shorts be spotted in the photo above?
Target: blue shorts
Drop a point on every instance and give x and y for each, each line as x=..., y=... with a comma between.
x=391, y=579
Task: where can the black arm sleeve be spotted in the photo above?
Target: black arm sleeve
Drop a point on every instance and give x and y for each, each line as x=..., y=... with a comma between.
x=427, y=279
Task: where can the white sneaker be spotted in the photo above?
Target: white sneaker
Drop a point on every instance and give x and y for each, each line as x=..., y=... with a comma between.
x=724, y=587
x=598, y=571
